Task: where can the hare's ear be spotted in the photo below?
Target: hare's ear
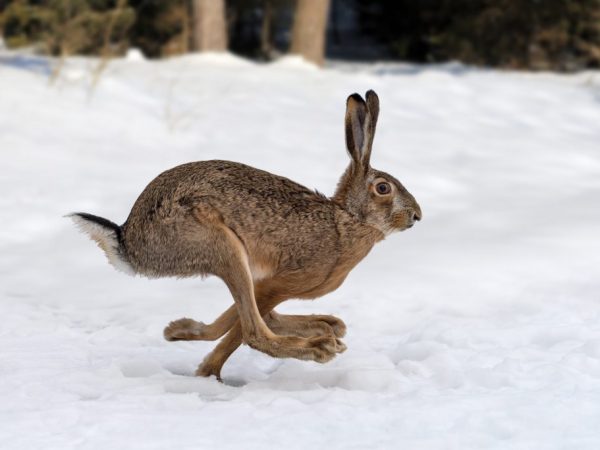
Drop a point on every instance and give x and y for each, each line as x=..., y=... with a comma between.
x=361, y=120
x=371, y=122
x=356, y=138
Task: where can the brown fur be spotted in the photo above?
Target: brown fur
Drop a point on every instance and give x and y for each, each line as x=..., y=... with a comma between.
x=269, y=239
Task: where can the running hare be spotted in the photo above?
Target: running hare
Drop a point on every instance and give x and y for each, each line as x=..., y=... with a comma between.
x=268, y=238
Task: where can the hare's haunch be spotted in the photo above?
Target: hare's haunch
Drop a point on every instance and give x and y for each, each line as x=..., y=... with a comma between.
x=269, y=239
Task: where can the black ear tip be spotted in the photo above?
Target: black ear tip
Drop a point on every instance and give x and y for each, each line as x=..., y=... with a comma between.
x=371, y=93
x=357, y=98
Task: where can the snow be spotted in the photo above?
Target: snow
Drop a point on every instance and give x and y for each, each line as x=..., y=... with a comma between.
x=477, y=328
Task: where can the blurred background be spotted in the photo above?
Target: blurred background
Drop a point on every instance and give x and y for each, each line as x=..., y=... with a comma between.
x=562, y=35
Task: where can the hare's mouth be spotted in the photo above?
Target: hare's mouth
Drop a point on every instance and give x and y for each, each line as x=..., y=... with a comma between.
x=401, y=221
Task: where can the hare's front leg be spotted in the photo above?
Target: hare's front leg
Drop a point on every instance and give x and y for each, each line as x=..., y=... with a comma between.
x=191, y=330
x=214, y=361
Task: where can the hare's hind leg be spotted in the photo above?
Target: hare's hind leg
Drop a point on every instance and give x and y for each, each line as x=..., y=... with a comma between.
x=228, y=260
x=288, y=325
x=214, y=361
x=190, y=330
x=305, y=325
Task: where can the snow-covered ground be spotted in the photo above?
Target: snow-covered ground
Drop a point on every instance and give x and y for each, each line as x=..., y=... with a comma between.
x=478, y=328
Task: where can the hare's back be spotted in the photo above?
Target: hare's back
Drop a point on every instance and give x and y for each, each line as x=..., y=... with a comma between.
x=271, y=214
x=232, y=187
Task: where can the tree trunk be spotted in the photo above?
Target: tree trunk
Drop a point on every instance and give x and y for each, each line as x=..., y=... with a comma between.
x=308, y=34
x=266, y=47
x=209, y=28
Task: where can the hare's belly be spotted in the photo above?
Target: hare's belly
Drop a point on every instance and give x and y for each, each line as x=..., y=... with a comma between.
x=306, y=283
x=290, y=271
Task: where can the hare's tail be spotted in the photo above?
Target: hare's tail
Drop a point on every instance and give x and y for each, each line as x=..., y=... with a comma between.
x=108, y=236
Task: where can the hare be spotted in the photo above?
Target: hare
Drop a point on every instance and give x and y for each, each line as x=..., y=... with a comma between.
x=269, y=239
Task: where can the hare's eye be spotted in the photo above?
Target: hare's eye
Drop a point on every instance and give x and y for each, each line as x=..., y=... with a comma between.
x=383, y=188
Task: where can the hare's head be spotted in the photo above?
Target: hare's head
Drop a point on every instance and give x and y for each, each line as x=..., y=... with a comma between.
x=376, y=197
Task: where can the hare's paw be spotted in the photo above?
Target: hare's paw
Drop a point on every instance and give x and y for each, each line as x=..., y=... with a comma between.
x=319, y=348
x=185, y=330
x=337, y=325
x=206, y=369
x=325, y=348
x=306, y=326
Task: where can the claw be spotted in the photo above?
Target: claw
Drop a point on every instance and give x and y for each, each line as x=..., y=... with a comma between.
x=341, y=347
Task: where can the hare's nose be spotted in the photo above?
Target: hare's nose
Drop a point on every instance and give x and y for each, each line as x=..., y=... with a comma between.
x=416, y=213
